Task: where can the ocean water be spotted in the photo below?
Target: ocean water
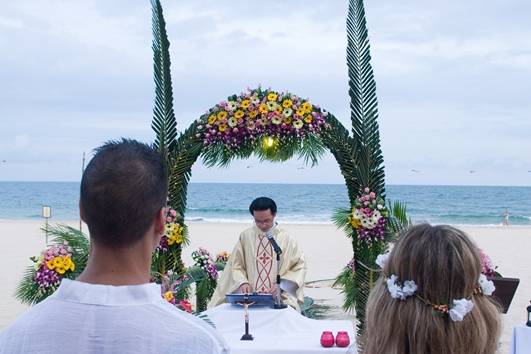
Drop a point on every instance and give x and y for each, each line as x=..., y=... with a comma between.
x=308, y=203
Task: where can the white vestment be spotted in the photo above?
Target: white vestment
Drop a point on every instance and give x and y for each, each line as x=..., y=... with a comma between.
x=253, y=261
x=89, y=318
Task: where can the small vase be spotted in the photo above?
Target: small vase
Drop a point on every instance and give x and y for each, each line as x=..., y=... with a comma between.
x=327, y=339
x=342, y=339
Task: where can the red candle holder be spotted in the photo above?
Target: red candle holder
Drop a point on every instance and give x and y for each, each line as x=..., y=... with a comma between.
x=327, y=339
x=342, y=339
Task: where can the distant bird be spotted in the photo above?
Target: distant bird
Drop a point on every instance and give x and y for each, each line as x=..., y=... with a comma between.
x=300, y=168
x=4, y=161
x=472, y=171
x=249, y=166
x=415, y=171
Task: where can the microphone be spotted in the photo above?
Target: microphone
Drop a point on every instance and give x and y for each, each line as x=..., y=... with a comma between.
x=273, y=242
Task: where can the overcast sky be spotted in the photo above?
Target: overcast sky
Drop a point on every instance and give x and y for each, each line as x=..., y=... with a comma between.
x=453, y=81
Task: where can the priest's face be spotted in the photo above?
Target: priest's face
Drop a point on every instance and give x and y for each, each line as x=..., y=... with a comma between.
x=264, y=219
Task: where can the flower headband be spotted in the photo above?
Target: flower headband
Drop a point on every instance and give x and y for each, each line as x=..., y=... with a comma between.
x=458, y=308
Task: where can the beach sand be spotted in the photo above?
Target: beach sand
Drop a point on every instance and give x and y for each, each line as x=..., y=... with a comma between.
x=326, y=249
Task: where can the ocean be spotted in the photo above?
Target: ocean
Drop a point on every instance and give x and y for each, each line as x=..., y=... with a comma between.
x=297, y=203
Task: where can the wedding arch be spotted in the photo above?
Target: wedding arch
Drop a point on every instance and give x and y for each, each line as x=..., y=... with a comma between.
x=277, y=126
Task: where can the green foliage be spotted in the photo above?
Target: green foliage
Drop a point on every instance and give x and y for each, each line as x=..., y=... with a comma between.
x=164, y=123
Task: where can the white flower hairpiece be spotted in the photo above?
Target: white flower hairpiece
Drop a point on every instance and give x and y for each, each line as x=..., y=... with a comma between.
x=460, y=308
x=400, y=292
x=381, y=260
x=487, y=286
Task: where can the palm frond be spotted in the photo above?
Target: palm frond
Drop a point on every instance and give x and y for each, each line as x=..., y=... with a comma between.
x=363, y=101
x=164, y=123
x=398, y=220
x=340, y=217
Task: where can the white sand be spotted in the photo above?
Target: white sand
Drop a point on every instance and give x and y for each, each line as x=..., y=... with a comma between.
x=327, y=250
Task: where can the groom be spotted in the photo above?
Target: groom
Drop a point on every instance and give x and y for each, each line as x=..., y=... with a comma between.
x=112, y=307
x=252, y=266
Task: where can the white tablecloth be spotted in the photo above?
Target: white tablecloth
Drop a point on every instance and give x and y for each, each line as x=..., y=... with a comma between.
x=276, y=331
x=521, y=341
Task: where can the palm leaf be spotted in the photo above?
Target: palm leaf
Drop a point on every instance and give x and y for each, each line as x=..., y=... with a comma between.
x=164, y=123
x=363, y=101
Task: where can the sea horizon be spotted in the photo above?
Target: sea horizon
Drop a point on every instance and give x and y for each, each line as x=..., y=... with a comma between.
x=228, y=202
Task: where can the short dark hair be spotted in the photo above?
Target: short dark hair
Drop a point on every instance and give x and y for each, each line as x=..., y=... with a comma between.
x=123, y=188
x=263, y=203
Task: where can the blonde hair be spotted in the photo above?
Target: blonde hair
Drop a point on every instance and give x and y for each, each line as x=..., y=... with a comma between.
x=445, y=265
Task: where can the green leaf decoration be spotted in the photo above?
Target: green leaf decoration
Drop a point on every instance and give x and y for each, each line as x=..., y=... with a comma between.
x=164, y=123
x=363, y=102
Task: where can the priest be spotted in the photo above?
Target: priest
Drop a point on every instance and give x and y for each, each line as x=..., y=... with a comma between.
x=252, y=265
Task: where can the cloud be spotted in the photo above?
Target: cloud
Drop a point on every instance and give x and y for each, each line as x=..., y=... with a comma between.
x=452, y=82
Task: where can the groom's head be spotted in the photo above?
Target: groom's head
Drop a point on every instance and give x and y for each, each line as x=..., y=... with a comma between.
x=123, y=190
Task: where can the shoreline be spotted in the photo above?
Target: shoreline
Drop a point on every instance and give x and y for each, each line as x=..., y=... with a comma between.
x=291, y=223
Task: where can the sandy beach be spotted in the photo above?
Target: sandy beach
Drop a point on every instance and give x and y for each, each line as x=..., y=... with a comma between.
x=326, y=249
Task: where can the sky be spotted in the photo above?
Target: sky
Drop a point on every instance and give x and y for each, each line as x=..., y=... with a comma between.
x=453, y=81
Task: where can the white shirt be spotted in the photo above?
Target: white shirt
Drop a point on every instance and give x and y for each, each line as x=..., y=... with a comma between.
x=88, y=318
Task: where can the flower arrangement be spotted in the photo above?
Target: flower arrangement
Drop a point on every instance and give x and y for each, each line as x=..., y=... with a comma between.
x=222, y=257
x=487, y=267
x=368, y=216
x=173, y=231
x=203, y=259
x=259, y=113
x=52, y=265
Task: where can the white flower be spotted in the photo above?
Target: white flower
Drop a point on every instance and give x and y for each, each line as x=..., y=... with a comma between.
x=400, y=292
x=487, y=286
x=379, y=206
x=460, y=308
x=381, y=260
x=409, y=288
x=232, y=105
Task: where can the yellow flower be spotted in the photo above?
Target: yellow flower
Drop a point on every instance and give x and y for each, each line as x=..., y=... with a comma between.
x=308, y=119
x=307, y=107
x=287, y=103
x=287, y=120
x=212, y=119
x=57, y=262
x=272, y=96
x=168, y=295
x=300, y=111
x=239, y=113
x=60, y=270
x=222, y=115
x=222, y=127
x=262, y=108
x=278, y=108
x=50, y=264
x=356, y=223
x=253, y=114
x=246, y=103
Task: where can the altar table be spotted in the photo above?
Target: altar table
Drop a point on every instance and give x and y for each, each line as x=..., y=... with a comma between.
x=521, y=341
x=277, y=331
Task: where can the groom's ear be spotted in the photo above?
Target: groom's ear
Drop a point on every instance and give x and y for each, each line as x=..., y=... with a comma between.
x=159, y=221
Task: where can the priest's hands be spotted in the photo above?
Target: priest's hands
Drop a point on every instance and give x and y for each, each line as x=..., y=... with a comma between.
x=273, y=291
x=245, y=288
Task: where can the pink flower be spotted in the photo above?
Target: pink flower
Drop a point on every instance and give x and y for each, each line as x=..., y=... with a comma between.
x=372, y=195
x=173, y=212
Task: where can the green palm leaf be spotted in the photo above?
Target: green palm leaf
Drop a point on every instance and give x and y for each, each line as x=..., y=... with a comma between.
x=164, y=123
x=363, y=102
